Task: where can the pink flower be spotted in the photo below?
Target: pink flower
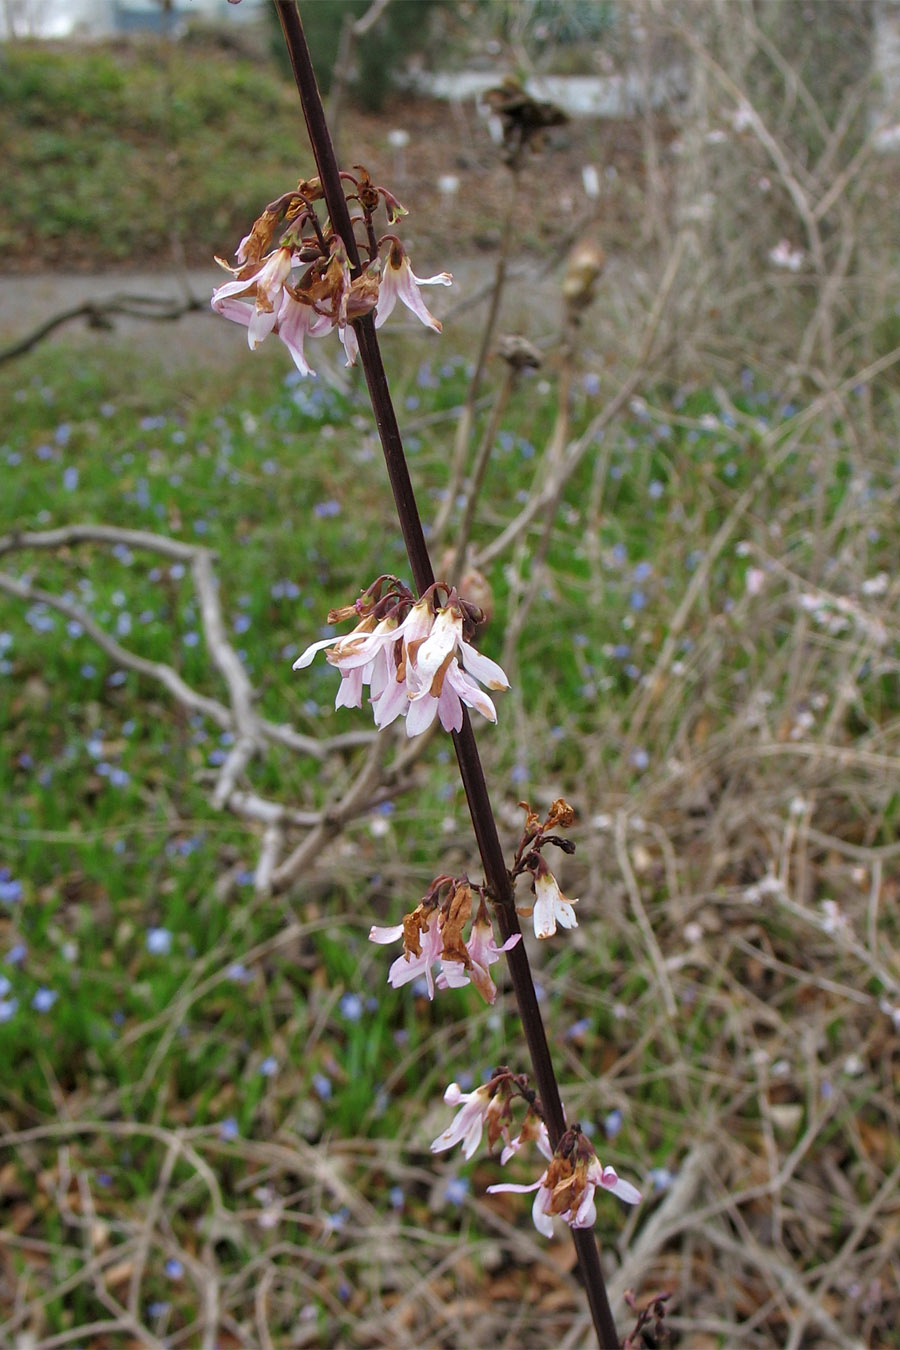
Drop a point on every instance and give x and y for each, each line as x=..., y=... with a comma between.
x=399, y=282
x=566, y=1188
x=296, y=322
x=483, y=952
x=411, y=667
x=437, y=684
x=390, y=699
x=550, y=905
x=533, y=1129
x=361, y=656
x=456, y=688
x=425, y=924
x=433, y=932
x=468, y=1123
x=265, y=286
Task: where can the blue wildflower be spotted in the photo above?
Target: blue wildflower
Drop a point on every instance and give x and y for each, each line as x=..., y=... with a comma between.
x=613, y=1124
x=10, y=888
x=159, y=941
x=352, y=1007
x=456, y=1190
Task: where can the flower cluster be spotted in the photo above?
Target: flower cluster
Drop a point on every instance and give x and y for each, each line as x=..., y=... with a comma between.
x=414, y=656
x=432, y=935
x=550, y=905
x=567, y=1186
x=293, y=278
x=491, y=1106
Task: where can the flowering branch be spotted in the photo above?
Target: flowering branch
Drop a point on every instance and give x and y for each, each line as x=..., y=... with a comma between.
x=271, y=310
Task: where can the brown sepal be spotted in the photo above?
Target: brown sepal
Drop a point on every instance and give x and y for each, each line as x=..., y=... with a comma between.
x=456, y=916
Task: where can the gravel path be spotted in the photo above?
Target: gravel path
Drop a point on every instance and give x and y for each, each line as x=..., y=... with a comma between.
x=28, y=301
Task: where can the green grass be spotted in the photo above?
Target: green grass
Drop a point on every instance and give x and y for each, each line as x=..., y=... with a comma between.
x=262, y=1024
x=104, y=152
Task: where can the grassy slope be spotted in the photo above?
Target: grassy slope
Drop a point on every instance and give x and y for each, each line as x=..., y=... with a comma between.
x=116, y=154
x=249, y=1031
x=107, y=161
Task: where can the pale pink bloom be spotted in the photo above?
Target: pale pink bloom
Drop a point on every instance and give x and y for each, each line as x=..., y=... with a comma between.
x=336, y=643
x=415, y=629
x=390, y=702
x=353, y=650
x=399, y=282
x=437, y=684
x=297, y=322
x=393, y=698
x=265, y=287
x=390, y=697
x=360, y=656
x=408, y=966
x=482, y=951
x=444, y=640
x=349, y=342
x=385, y=935
x=551, y=907
x=784, y=255
x=532, y=1131
x=453, y=976
x=441, y=642
x=419, y=680
x=456, y=688
x=571, y=1196
x=468, y=1123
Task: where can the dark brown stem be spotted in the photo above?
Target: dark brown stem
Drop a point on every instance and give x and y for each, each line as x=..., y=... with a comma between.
x=495, y=872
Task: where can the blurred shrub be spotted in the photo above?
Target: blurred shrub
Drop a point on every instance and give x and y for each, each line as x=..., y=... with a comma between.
x=378, y=57
x=112, y=151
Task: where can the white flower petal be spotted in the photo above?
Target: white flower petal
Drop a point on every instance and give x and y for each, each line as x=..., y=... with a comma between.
x=305, y=659
x=482, y=667
x=385, y=935
x=420, y=716
x=474, y=697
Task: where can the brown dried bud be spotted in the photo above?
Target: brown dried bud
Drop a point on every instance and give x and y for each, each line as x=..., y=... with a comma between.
x=524, y=118
x=532, y=820
x=474, y=587
x=413, y=924
x=311, y=189
x=586, y=262
x=259, y=240
x=518, y=352
x=455, y=917
x=366, y=190
x=560, y=816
